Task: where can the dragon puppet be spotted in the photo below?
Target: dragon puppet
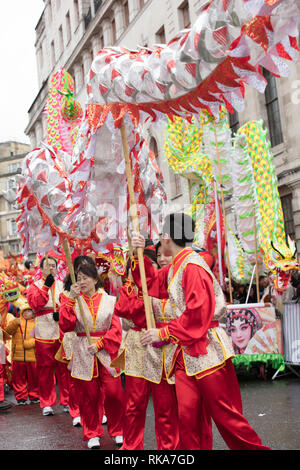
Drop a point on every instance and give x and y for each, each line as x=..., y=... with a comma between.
x=10, y=296
x=257, y=204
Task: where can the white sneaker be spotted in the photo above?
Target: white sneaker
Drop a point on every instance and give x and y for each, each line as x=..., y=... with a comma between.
x=47, y=411
x=94, y=443
x=77, y=421
x=66, y=408
x=118, y=440
x=104, y=419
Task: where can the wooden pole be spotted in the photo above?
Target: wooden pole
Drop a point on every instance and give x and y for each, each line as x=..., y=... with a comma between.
x=135, y=223
x=67, y=252
x=51, y=288
x=224, y=212
x=256, y=258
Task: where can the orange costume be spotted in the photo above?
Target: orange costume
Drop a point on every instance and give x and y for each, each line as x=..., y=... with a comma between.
x=47, y=342
x=145, y=370
x=96, y=387
x=203, y=370
x=5, y=318
x=24, y=372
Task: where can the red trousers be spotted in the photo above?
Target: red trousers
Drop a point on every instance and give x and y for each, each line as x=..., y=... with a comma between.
x=165, y=410
x=102, y=392
x=49, y=369
x=25, y=380
x=73, y=399
x=220, y=395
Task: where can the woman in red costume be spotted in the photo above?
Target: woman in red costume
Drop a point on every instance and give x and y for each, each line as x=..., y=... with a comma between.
x=145, y=371
x=90, y=363
x=5, y=317
x=202, y=362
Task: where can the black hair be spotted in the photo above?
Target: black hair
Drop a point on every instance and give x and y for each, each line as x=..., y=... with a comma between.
x=158, y=244
x=150, y=254
x=90, y=270
x=49, y=257
x=181, y=228
x=78, y=261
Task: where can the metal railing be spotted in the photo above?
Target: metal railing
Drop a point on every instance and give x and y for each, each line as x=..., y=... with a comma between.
x=88, y=18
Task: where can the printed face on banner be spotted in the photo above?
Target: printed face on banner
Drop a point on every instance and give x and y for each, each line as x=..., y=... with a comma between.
x=254, y=329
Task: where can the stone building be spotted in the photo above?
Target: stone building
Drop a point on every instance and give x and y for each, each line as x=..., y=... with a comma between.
x=69, y=34
x=11, y=157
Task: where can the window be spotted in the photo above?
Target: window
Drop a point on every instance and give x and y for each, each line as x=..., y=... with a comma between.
x=41, y=57
x=15, y=248
x=13, y=227
x=175, y=184
x=11, y=183
x=126, y=14
x=273, y=111
x=287, y=209
x=97, y=5
x=184, y=15
x=101, y=42
x=13, y=167
x=61, y=40
x=234, y=123
x=154, y=147
x=160, y=36
x=68, y=24
x=76, y=11
x=50, y=12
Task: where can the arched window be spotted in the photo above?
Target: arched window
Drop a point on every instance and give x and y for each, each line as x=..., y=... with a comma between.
x=273, y=111
x=234, y=122
x=286, y=197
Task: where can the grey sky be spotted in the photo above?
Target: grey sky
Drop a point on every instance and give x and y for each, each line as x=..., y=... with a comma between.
x=18, y=78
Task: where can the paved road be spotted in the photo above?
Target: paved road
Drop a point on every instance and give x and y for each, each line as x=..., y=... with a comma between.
x=271, y=407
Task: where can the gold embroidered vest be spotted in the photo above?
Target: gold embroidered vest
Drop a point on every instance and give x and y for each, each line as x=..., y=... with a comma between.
x=219, y=348
x=45, y=327
x=82, y=360
x=2, y=349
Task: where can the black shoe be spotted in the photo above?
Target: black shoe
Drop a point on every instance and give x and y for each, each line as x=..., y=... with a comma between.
x=5, y=405
x=21, y=402
x=34, y=400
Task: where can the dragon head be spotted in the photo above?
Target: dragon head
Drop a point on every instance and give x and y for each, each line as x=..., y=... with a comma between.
x=281, y=260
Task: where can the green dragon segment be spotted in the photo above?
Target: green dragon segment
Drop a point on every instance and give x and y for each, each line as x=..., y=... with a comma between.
x=256, y=199
x=248, y=175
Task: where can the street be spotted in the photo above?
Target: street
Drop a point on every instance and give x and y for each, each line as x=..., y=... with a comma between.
x=271, y=407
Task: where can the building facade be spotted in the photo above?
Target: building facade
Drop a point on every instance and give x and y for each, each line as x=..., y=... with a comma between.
x=71, y=32
x=11, y=157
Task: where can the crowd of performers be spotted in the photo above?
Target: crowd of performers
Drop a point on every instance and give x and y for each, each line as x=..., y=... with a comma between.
x=185, y=362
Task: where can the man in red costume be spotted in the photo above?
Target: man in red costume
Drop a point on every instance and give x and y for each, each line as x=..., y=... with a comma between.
x=202, y=362
x=144, y=369
x=5, y=317
x=43, y=298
